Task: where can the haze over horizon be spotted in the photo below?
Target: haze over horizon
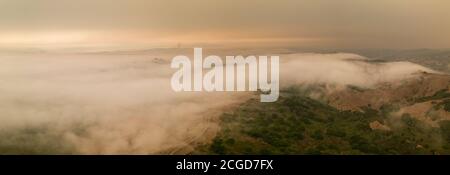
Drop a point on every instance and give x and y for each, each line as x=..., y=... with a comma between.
x=397, y=24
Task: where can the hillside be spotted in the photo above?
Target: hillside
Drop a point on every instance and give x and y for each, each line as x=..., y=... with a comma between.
x=408, y=117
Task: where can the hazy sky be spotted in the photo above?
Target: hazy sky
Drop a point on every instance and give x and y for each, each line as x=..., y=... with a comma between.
x=302, y=23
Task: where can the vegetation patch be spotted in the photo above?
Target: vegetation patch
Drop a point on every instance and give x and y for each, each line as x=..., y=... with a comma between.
x=296, y=124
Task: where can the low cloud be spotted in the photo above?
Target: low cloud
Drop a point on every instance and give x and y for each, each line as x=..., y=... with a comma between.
x=123, y=104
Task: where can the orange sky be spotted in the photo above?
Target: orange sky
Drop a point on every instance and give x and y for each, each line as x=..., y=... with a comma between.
x=302, y=23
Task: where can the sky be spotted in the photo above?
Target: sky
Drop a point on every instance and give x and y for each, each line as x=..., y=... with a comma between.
x=402, y=24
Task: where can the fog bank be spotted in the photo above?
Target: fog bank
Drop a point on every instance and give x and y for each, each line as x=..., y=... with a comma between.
x=123, y=104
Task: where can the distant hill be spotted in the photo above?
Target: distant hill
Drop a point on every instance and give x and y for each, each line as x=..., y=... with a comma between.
x=437, y=59
x=432, y=58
